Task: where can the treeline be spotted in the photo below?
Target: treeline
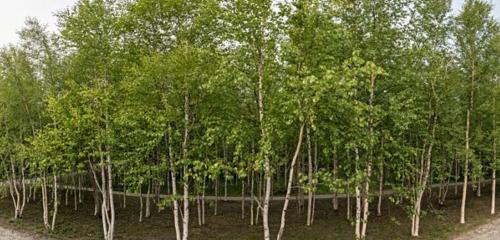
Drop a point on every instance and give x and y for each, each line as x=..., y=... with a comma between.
x=287, y=97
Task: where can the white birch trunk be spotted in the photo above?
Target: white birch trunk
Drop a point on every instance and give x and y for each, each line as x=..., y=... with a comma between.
x=289, y=184
x=54, y=214
x=309, y=179
x=174, y=186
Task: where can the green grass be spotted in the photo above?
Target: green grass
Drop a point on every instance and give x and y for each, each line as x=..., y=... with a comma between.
x=438, y=223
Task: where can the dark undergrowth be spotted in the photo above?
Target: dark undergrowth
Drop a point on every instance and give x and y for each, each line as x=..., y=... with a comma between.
x=439, y=222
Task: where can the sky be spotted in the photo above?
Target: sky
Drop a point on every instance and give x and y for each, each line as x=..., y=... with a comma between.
x=13, y=13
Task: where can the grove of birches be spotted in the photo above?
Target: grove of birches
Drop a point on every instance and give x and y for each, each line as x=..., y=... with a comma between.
x=174, y=100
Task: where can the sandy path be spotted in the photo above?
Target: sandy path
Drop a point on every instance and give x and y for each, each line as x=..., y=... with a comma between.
x=9, y=234
x=488, y=231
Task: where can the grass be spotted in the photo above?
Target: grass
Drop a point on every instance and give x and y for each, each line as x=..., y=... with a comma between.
x=438, y=223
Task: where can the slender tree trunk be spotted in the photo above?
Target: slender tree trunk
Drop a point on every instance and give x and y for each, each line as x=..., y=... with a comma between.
x=104, y=203
x=34, y=193
x=216, y=195
x=185, y=218
x=366, y=190
x=466, y=171
x=203, y=202
x=267, y=164
x=13, y=196
x=168, y=183
x=23, y=187
x=314, y=185
x=111, y=199
x=467, y=149
x=309, y=179
x=357, y=226
x=148, y=201
x=348, y=208
x=96, y=193
x=54, y=214
x=106, y=189
x=380, y=189
x=493, y=190
x=243, y=199
x=478, y=182
x=224, y=152
x=80, y=198
x=422, y=186
x=30, y=191
x=158, y=192
x=494, y=162
x=14, y=183
x=300, y=192
x=365, y=203
x=357, y=191
x=259, y=208
x=252, y=200
x=174, y=185
x=140, y=203
x=45, y=203
x=335, y=200
x=289, y=184
x=66, y=196
x=425, y=170
x=380, y=182
x=225, y=186
x=75, y=194
x=124, y=196
x=267, y=194
x=198, y=208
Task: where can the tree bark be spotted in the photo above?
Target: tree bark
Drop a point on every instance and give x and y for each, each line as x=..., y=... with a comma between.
x=467, y=149
x=380, y=182
x=267, y=164
x=494, y=163
x=357, y=191
x=185, y=218
x=140, y=203
x=173, y=184
x=16, y=197
x=422, y=185
x=45, y=203
x=366, y=189
x=216, y=189
x=54, y=214
x=309, y=179
x=80, y=198
x=75, y=194
x=198, y=207
x=289, y=184
x=252, y=199
x=148, y=200
x=243, y=199
x=380, y=189
x=335, y=200
x=203, y=203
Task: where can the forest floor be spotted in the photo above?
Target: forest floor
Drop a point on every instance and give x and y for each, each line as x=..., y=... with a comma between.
x=488, y=231
x=10, y=234
x=439, y=222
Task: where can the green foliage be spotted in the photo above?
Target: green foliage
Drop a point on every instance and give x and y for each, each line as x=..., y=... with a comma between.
x=153, y=88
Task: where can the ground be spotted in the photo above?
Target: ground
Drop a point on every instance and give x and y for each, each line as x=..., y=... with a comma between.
x=9, y=234
x=488, y=231
x=438, y=222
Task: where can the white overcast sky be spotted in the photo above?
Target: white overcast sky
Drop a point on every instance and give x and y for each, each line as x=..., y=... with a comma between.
x=14, y=12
